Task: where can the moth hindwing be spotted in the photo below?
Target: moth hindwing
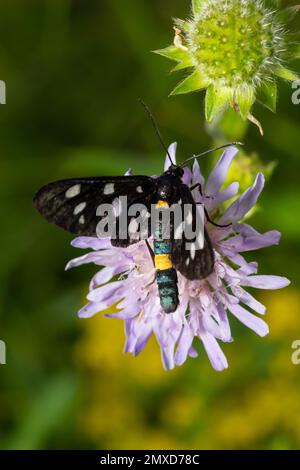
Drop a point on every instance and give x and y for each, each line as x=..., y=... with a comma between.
x=187, y=258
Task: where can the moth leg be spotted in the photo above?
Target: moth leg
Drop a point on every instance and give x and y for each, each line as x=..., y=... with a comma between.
x=213, y=223
x=152, y=257
x=198, y=185
x=150, y=251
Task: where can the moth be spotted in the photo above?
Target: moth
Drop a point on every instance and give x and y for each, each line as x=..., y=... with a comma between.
x=72, y=205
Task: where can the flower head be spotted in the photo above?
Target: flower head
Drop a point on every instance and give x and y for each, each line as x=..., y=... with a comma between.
x=234, y=49
x=206, y=305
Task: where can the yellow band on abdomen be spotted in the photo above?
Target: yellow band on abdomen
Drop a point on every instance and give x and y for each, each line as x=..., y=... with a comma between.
x=162, y=262
x=162, y=204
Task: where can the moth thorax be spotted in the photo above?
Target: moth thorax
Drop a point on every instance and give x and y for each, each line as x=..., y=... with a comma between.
x=165, y=190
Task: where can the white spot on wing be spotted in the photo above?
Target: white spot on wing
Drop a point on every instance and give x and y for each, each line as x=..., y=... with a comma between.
x=139, y=189
x=133, y=230
x=81, y=219
x=117, y=207
x=179, y=231
x=73, y=191
x=79, y=208
x=109, y=188
x=133, y=226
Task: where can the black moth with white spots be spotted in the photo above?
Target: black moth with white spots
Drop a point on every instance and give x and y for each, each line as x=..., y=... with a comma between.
x=72, y=205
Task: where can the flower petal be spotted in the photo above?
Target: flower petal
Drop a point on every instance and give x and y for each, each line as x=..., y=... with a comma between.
x=192, y=352
x=253, y=240
x=167, y=330
x=91, y=242
x=215, y=354
x=245, y=268
x=187, y=176
x=219, y=173
x=143, y=339
x=249, y=300
x=90, y=309
x=109, y=291
x=128, y=312
x=93, y=257
x=248, y=319
x=249, y=241
x=105, y=275
x=222, y=196
x=172, y=152
x=167, y=356
x=224, y=323
x=130, y=337
x=265, y=282
x=197, y=175
x=138, y=332
x=239, y=208
x=184, y=345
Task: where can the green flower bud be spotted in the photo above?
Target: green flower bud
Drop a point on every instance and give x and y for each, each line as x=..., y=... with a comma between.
x=234, y=49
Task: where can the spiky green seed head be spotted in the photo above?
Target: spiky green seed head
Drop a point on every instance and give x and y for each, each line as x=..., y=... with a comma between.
x=235, y=49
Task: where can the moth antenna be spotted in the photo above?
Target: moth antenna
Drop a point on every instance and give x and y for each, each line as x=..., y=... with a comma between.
x=155, y=127
x=209, y=151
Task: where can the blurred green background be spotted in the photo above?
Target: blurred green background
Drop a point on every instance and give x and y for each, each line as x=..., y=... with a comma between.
x=74, y=71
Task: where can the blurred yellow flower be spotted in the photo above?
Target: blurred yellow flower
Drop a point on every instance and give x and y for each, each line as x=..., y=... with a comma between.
x=134, y=403
x=284, y=313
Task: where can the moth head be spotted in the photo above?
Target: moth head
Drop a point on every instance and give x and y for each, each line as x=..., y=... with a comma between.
x=175, y=171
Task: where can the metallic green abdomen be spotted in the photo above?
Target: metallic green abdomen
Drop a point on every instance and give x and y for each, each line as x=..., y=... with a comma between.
x=166, y=275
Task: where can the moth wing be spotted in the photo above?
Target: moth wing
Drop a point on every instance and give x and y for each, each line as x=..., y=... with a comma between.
x=190, y=262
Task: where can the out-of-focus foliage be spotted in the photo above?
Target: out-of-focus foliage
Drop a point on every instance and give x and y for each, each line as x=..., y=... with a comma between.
x=74, y=71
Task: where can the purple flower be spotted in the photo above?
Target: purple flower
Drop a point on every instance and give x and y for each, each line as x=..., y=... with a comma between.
x=205, y=306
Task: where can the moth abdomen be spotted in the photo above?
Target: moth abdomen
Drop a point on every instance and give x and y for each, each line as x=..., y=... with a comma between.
x=166, y=275
x=168, y=290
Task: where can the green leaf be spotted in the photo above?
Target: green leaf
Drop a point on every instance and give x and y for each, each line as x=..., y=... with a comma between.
x=184, y=64
x=245, y=99
x=274, y=4
x=173, y=53
x=216, y=99
x=197, y=6
x=267, y=95
x=193, y=82
x=286, y=74
x=294, y=51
